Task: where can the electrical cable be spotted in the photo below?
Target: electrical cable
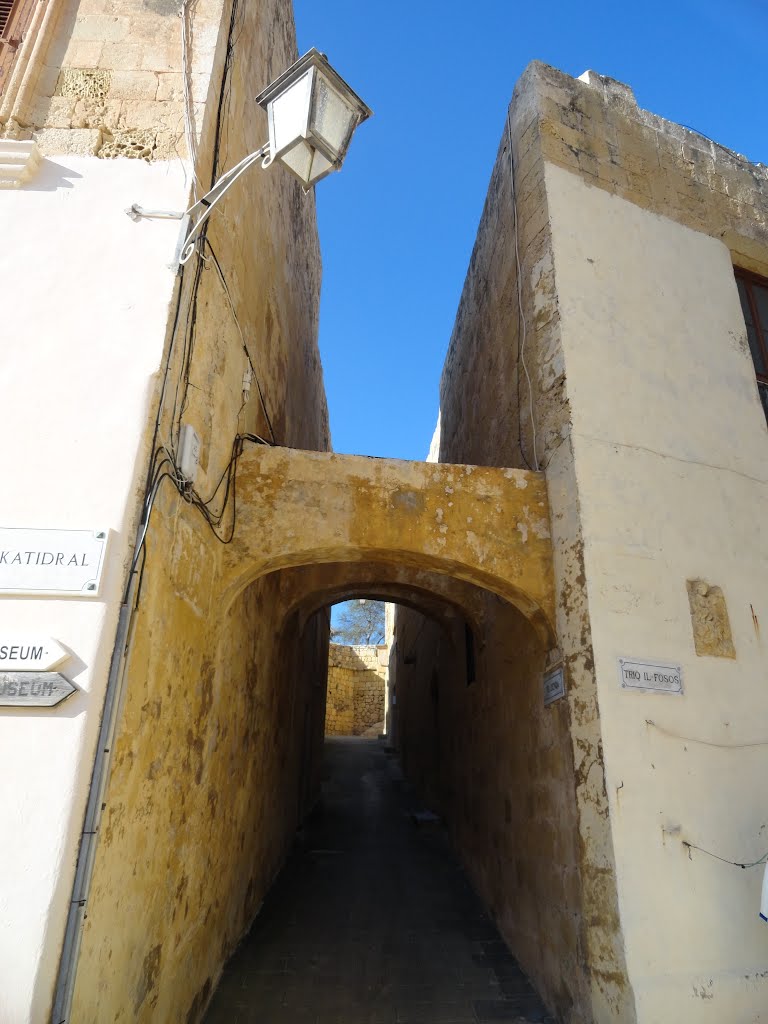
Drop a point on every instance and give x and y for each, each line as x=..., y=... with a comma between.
x=164, y=461
x=225, y=286
x=231, y=474
x=185, y=13
x=180, y=405
x=231, y=42
x=726, y=149
x=521, y=316
x=716, y=856
x=144, y=527
x=166, y=371
x=723, y=746
x=706, y=743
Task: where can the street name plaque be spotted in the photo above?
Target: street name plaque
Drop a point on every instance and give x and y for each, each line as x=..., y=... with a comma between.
x=33, y=689
x=56, y=562
x=650, y=676
x=554, y=686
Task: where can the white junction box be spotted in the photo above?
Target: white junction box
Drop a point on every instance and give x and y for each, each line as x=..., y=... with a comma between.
x=189, y=453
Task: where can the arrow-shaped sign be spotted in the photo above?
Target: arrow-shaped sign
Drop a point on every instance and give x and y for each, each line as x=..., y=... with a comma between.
x=33, y=689
x=29, y=653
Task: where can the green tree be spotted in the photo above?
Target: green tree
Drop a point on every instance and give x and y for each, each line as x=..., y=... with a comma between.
x=359, y=622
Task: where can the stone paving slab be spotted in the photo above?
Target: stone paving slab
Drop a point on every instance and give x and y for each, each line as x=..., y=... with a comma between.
x=372, y=920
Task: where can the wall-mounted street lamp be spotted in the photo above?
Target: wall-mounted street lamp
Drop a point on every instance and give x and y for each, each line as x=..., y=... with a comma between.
x=312, y=115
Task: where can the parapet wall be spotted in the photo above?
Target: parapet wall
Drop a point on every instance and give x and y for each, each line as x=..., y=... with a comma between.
x=601, y=134
x=357, y=680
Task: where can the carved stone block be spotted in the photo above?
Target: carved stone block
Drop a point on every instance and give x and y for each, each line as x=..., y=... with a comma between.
x=709, y=618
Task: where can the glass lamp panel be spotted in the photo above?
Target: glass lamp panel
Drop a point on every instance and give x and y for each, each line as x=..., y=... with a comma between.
x=333, y=119
x=289, y=113
x=321, y=166
x=299, y=160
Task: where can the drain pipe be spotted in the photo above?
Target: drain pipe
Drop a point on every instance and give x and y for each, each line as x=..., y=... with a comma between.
x=86, y=857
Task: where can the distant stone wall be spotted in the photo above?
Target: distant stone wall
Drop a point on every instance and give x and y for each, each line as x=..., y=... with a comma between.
x=357, y=679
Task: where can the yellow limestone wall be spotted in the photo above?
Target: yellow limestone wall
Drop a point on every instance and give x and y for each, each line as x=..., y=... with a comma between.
x=498, y=766
x=226, y=674
x=210, y=770
x=357, y=679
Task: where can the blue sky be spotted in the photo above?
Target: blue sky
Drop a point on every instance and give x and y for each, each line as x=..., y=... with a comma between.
x=398, y=222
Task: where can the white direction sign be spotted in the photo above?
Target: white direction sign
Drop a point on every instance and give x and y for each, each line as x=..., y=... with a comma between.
x=56, y=562
x=29, y=653
x=33, y=689
x=651, y=676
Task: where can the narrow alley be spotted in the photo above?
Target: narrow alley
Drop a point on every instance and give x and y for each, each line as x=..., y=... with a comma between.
x=372, y=920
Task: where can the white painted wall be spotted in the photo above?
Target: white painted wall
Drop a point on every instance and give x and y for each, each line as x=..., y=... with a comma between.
x=671, y=458
x=86, y=297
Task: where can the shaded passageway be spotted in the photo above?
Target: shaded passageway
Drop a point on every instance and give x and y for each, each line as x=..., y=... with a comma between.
x=372, y=920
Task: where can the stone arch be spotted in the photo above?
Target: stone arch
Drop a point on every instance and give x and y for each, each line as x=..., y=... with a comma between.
x=308, y=588
x=474, y=525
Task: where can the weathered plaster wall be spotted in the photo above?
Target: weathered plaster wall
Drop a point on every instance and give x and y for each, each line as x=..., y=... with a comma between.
x=669, y=495
x=230, y=683
x=654, y=306
x=357, y=680
x=77, y=372
x=498, y=766
x=637, y=357
x=104, y=335
x=595, y=129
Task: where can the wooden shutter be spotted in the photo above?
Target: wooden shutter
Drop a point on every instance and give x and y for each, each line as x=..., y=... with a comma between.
x=15, y=16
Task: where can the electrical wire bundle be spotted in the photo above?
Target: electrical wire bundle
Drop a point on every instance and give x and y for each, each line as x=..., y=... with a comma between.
x=164, y=464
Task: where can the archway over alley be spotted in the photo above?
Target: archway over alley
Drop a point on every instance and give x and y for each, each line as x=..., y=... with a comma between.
x=206, y=795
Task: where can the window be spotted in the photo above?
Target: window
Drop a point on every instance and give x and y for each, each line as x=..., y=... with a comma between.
x=6, y=6
x=15, y=16
x=753, y=292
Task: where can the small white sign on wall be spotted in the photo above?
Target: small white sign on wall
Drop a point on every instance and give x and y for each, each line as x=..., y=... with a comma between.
x=554, y=685
x=650, y=676
x=56, y=562
x=29, y=653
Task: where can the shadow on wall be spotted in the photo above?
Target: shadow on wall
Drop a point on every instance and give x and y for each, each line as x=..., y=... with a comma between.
x=483, y=749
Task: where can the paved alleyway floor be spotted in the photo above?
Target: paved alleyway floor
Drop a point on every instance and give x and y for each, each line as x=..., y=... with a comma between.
x=372, y=920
